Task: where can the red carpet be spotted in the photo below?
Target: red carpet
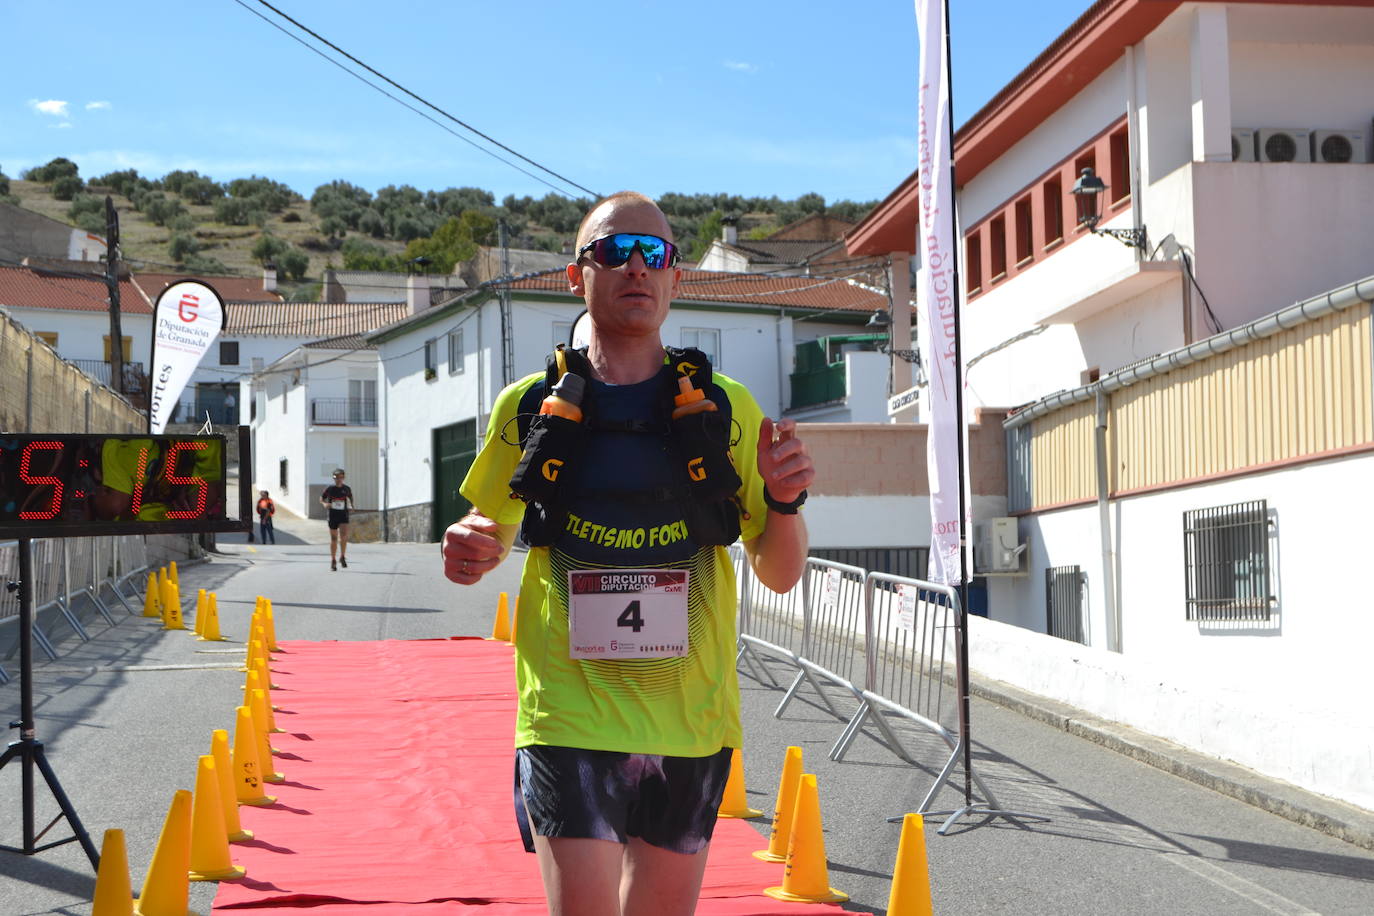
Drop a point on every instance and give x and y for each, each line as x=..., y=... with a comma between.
x=398, y=765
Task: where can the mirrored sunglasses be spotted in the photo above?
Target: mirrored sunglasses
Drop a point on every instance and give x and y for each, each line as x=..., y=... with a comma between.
x=614, y=250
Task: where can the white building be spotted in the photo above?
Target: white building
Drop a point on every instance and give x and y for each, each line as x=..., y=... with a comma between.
x=441, y=368
x=1179, y=446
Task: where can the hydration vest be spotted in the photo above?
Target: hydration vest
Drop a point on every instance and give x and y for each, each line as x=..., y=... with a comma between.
x=705, y=484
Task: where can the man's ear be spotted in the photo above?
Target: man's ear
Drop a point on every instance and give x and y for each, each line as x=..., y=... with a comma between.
x=575, y=284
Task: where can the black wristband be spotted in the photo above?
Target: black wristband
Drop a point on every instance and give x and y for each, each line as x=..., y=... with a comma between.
x=784, y=508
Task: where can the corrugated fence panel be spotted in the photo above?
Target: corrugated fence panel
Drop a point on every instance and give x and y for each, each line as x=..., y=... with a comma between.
x=1062, y=459
x=1303, y=392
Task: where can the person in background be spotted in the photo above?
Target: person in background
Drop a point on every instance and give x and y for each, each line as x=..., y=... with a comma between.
x=231, y=409
x=338, y=499
x=266, y=509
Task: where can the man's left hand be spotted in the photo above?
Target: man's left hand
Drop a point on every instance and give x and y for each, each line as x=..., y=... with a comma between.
x=783, y=462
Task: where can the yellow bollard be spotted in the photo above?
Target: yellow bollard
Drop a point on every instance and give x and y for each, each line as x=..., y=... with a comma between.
x=735, y=803
x=910, y=895
x=806, y=879
x=219, y=749
x=167, y=886
x=247, y=770
x=783, y=808
x=114, y=895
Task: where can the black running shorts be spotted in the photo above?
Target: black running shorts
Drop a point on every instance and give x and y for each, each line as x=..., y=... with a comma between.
x=668, y=802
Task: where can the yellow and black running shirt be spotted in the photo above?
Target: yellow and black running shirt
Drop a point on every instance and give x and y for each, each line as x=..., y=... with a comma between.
x=686, y=706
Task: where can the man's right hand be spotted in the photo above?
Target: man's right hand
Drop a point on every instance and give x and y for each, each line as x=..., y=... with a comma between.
x=474, y=546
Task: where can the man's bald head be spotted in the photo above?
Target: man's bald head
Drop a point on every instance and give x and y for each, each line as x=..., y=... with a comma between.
x=587, y=232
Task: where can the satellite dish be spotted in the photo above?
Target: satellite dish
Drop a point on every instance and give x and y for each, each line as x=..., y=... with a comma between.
x=581, y=334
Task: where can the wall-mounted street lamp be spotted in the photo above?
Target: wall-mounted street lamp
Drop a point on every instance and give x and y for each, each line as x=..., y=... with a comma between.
x=879, y=321
x=1088, y=189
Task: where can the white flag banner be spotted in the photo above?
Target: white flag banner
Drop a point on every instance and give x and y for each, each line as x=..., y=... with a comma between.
x=187, y=318
x=937, y=298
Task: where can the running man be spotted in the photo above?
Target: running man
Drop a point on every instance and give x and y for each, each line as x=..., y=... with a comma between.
x=338, y=499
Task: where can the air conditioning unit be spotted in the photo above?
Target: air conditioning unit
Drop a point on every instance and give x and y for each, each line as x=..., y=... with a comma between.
x=996, y=546
x=1284, y=144
x=1242, y=144
x=1339, y=146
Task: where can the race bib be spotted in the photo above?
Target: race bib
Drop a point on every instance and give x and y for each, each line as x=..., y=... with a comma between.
x=338, y=504
x=627, y=613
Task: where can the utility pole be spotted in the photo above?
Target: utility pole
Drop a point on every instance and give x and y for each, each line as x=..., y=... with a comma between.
x=507, y=324
x=112, y=284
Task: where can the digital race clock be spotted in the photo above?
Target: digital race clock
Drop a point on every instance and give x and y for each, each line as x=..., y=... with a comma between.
x=64, y=485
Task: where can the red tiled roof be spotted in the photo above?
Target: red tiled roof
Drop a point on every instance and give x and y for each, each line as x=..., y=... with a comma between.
x=21, y=287
x=822, y=293
x=230, y=289
x=315, y=320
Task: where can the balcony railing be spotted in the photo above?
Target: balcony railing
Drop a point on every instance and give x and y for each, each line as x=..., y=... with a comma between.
x=343, y=411
x=99, y=370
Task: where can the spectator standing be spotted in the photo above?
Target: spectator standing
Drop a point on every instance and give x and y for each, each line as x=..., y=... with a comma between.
x=266, y=509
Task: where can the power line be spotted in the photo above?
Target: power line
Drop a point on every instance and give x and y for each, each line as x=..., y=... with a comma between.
x=421, y=100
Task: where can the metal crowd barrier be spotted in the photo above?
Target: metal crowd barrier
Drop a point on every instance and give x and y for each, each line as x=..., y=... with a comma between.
x=889, y=641
x=67, y=568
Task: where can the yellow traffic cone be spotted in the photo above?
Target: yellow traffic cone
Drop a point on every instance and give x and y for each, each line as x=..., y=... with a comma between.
x=152, y=601
x=210, y=631
x=171, y=607
x=172, y=574
x=200, y=612
x=783, y=808
x=270, y=625
x=247, y=770
x=219, y=749
x=735, y=803
x=806, y=878
x=254, y=649
x=500, y=627
x=265, y=685
x=209, y=836
x=167, y=886
x=910, y=895
x=260, y=666
x=258, y=709
x=114, y=895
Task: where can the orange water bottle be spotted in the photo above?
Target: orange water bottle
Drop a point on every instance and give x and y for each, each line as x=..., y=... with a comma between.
x=690, y=400
x=565, y=400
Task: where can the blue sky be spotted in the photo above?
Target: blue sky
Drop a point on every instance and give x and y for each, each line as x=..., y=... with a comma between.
x=754, y=98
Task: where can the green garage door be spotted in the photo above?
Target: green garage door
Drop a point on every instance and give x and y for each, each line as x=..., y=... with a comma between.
x=454, y=449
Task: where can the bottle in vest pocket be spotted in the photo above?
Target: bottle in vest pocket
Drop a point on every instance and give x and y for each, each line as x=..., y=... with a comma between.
x=566, y=398
x=702, y=434
x=554, y=441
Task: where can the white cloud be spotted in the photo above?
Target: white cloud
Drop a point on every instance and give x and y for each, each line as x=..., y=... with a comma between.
x=740, y=66
x=64, y=125
x=97, y=106
x=54, y=107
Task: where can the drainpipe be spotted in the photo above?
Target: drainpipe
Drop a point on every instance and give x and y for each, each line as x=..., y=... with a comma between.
x=1104, y=525
x=782, y=362
x=1133, y=152
x=386, y=461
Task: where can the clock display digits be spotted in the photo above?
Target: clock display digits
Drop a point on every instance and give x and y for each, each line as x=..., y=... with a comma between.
x=202, y=488
x=55, y=482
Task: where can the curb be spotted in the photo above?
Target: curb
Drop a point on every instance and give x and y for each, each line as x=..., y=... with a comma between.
x=1327, y=815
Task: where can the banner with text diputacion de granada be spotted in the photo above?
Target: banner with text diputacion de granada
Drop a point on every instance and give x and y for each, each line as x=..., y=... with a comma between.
x=187, y=318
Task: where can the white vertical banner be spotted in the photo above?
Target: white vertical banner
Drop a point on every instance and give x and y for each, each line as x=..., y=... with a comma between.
x=937, y=297
x=187, y=318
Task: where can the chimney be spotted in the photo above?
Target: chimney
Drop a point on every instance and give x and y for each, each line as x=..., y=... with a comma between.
x=729, y=234
x=269, y=277
x=330, y=289
x=417, y=294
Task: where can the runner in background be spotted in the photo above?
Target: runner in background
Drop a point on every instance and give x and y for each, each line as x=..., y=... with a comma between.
x=338, y=499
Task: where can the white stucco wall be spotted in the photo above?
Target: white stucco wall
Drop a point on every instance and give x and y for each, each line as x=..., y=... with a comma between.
x=279, y=435
x=81, y=335
x=1288, y=698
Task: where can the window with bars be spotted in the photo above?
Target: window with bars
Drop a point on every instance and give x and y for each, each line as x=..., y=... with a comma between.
x=1226, y=557
x=1064, y=587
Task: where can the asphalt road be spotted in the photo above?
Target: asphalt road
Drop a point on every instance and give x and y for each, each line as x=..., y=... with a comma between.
x=124, y=717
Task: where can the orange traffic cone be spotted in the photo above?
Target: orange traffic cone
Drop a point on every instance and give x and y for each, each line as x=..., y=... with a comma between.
x=209, y=837
x=500, y=628
x=152, y=603
x=167, y=886
x=910, y=895
x=247, y=770
x=210, y=631
x=258, y=710
x=219, y=749
x=783, y=808
x=735, y=803
x=806, y=879
x=200, y=611
x=114, y=895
